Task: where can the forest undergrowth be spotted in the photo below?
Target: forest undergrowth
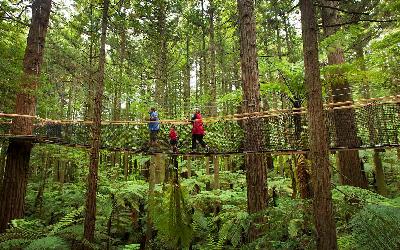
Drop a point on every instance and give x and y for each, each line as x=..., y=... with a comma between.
x=190, y=214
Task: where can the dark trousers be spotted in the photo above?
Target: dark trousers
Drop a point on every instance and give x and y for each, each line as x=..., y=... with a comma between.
x=197, y=138
x=153, y=135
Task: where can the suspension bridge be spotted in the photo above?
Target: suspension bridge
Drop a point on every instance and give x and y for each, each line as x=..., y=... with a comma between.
x=284, y=131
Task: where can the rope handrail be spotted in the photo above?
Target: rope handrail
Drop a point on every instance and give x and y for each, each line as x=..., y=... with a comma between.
x=233, y=117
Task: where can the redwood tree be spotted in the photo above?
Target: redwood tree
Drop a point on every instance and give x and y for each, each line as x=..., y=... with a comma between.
x=256, y=173
x=90, y=213
x=319, y=148
x=344, y=119
x=18, y=154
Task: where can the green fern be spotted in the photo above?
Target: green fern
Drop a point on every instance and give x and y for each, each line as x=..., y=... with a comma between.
x=14, y=243
x=48, y=243
x=171, y=220
x=66, y=221
x=131, y=247
x=33, y=235
x=377, y=227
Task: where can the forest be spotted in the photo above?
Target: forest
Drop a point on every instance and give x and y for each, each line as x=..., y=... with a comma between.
x=200, y=124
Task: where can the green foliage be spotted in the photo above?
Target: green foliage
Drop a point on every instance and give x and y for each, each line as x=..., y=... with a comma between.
x=288, y=227
x=34, y=235
x=174, y=226
x=131, y=247
x=377, y=227
x=48, y=243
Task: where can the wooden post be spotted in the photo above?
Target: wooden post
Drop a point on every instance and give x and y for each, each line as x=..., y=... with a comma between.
x=126, y=165
x=229, y=162
x=216, y=171
x=149, y=221
x=189, y=167
x=207, y=165
x=162, y=167
x=157, y=167
x=61, y=171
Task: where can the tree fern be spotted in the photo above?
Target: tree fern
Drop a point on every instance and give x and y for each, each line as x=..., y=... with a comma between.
x=171, y=219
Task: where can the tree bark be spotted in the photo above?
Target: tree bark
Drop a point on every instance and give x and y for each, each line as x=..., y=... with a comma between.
x=90, y=213
x=3, y=154
x=39, y=196
x=203, y=59
x=18, y=154
x=256, y=173
x=90, y=82
x=319, y=148
x=207, y=163
x=149, y=220
x=116, y=110
x=216, y=171
x=186, y=85
x=189, y=167
x=344, y=119
x=303, y=177
x=213, y=84
x=126, y=165
x=380, y=174
x=161, y=71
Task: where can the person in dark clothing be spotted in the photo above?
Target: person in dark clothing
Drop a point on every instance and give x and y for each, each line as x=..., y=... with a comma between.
x=198, y=131
x=173, y=139
x=154, y=126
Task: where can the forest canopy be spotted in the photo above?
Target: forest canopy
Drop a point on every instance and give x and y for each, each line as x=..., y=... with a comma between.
x=199, y=124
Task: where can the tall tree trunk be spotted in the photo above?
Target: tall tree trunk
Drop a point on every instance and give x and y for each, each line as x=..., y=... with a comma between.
x=319, y=148
x=380, y=176
x=161, y=74
x=216, y=171
x=256, y=173
x=213, y=84
x=18, y=154
x=90, y=82
x=39, y=196
x=90, y=213
x=3, y=154
x=116, y=109
x=344, y=119
x=151, y=201
x=301, y=163
x=186, y=85
x=207, y=165
x=203, y=62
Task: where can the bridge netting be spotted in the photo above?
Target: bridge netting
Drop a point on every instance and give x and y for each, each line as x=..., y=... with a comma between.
x=377, y=125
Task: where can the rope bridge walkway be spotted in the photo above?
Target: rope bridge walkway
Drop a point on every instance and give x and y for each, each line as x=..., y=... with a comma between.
x=285, y=131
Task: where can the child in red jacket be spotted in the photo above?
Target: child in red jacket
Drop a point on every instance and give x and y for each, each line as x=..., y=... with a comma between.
x=173, y=139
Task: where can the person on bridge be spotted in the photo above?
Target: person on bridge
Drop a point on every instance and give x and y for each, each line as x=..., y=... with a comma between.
x=198, y=131
x=154, y=126
x=173, y=139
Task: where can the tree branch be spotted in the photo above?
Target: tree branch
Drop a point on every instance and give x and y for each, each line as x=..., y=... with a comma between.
x=361, y=20
x=342, y=10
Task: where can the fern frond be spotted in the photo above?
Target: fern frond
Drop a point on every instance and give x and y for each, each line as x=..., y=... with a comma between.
x=377, y=227
x=66, y=221
x=48, y=243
